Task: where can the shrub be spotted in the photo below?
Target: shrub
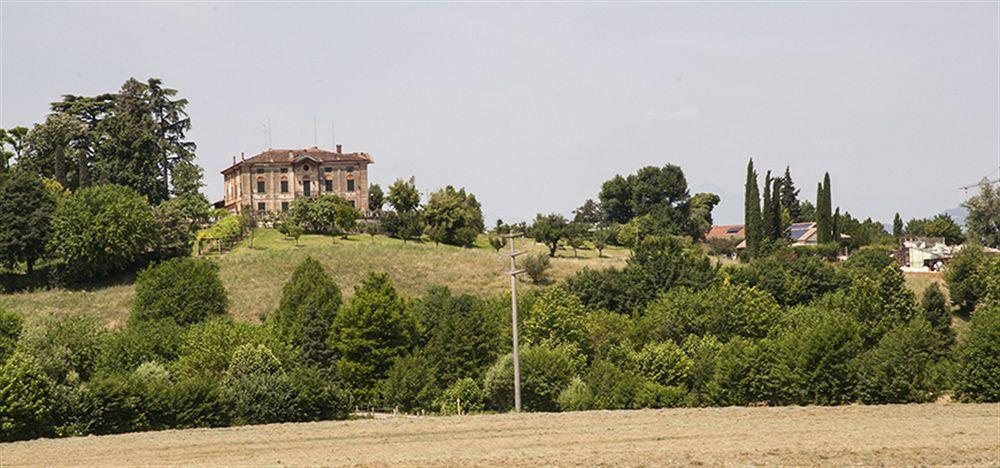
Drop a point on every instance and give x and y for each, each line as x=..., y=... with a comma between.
x=978, y=374
x=901, y=368
x=226, y=230
x=309, y=303
x=26, y=209
x=206, y=349
x=606, y=333
x=410, y=384
x=935, y=310
x=112, y=404
x=257, y=387
x=965, y=286
x=456, y=215
x=655, y=395
x=317, y=396
x=576, y=396
x=537, y=267
x=26, y=399
x=464, y=334
x=11, y=325
x=663, y=363
x=101, y=230
x=869, y=260
x=817, y=359
x=605, y=289
x=175, y=231
x=462, y=397
x=190, y=402
x=125, y=350
x=406, y=225
x=555, y=318
x=703, y=352
x=792, y=278
x=879, y=303
x=545, y=373
x=66, y=348
x=373, y=328
x=725, y=311
x=184, y=290
x=612, y=387
x=741, y=374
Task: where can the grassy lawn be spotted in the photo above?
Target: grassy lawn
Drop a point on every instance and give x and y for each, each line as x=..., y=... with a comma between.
x=254, y=276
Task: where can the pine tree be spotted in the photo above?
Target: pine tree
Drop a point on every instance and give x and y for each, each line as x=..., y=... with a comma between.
x=751, y=211
x=309, y=302
x=897, y=227
x=790, y=196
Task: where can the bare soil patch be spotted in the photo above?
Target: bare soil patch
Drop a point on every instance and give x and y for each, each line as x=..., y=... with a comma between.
x=931, y=434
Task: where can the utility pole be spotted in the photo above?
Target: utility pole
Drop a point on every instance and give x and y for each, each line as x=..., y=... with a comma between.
x=513, y=313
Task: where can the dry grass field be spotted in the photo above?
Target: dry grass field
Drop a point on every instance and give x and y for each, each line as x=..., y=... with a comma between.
x=254, y=277
x=931, y=434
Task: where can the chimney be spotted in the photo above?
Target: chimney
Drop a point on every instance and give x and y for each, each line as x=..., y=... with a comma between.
x=234, y=160
x=242, y=158
x=338, y=149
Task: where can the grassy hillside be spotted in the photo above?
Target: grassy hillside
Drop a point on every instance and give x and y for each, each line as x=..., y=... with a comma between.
x=254, y=276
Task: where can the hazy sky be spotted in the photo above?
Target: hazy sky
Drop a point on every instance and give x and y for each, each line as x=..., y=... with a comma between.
x=532, y=106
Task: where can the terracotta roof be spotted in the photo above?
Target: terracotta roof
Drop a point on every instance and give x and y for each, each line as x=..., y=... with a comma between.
x=727, y=231
x=293, y=155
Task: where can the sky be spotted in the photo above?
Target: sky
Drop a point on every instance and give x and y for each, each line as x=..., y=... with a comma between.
x=532, y=106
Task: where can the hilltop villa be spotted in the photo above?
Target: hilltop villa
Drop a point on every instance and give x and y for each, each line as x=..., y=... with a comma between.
x=270, y=181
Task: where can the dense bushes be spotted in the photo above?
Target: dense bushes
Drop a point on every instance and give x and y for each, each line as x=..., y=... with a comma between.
x=184, y=290
x=100, y=230
x=27, y=400
x=545, y=372
x=978, y=374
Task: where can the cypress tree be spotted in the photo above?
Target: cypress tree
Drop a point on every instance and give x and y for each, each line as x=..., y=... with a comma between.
x=767, y=210
x=751, y=211
x=897, y=227
x=790, y=197
x=779, y=224
x=836, y=225
x=824, y=221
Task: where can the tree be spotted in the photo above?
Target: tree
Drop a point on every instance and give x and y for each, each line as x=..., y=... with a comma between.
x=375, y=327
x=965, y=284
x=751, y=212
x=129, y=152
x=724, y=311
x=101, y=230
x=576, y=236
x=817, y=359
x=187, y=178
x=556, y=318
x=406, y=225
x=376, y=198
x=52, y=146
x=941, y=225
x=27, y=400
x=702, y=205
x=935, y=310
x=767, y=219
x=184, y=290
x=545, y=372
x=463, y=334
x=410, y=384
x=879, y=301
x=588, y=213
x=777, y=223
x=403, y=196
x=497, y=242
x=601, y=238
x=824, y=215
x=978, y=374
x=983, y=221
x=901, y=368
x=549, y=230
x=11, y=325
x=26, y=209
x=309, y=303
x=897, y=227
x=170, y=123
x=326, y=214
x=456, y=214
x=15, y=139
x=616, y=199
x=90, y=114
x=790, y=197
x=537, y=267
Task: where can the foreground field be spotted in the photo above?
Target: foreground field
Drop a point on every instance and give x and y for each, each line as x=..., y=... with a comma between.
x=254, y=276
x=933, y=434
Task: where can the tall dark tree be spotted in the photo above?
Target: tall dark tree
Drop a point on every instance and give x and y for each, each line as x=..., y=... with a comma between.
x=309, y=303
x=129, y=153
x=589, y=213
x=12, y=145
x=824, y=211
x=616, y=199
x=376, y=198
x=778, y=225
x=767, y=220
x=26, y=208
x=90, y=112
x=835, y=225
x=897, y=227
x=171, y=123
x=790, y=197
x=751, y=211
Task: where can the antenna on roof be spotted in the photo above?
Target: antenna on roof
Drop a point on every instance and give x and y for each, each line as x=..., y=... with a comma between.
x=314, y=130
x=333, y=134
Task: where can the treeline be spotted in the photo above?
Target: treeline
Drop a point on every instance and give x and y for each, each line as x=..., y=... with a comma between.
x=105, y=184
x=669, y=329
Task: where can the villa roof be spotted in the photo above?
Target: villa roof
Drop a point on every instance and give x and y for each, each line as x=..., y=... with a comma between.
x=284, y=156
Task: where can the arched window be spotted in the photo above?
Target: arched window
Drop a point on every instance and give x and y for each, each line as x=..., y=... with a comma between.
x=284, y=184
x=260, y=184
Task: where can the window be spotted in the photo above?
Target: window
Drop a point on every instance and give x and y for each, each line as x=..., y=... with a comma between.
x=350, y=170
x=259, y=170
x=260, y=185
x=306, y=187
x=350, y=185
x=261, y=206
x=284, y=170
x=354, y=203
x=305, y=168
x=328, y=169
x=328, y=185
x=284, y=206
x=284, y=186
